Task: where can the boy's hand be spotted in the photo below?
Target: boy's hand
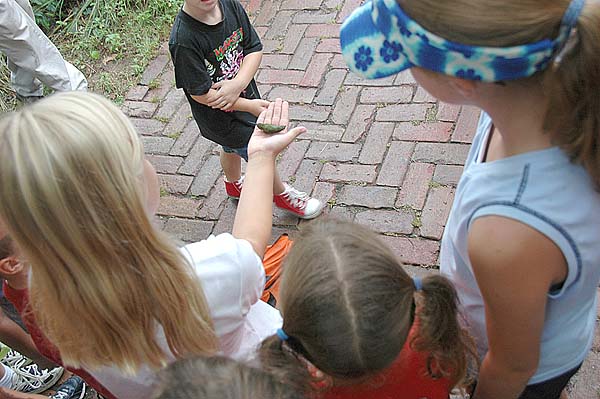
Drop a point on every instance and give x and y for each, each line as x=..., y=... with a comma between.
x=257, y=106
x=273, y=144
x=228, y=91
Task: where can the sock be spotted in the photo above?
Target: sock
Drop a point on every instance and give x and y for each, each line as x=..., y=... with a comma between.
x=6, y=381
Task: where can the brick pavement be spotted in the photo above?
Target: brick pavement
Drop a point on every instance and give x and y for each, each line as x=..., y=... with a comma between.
x=383, y=153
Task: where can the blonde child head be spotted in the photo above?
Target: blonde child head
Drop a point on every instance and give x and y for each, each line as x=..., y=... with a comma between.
x=75, y=193
x=348, y=307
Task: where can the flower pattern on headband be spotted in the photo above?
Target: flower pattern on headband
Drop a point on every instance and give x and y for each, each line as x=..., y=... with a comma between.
x=379, y=39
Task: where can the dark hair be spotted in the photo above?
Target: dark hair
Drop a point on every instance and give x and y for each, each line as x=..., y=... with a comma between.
x=6, y=247
x=348, y=307
x=219, y=377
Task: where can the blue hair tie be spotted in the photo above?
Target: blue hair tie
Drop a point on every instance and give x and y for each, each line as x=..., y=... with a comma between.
x=418, y=283
x=282, y=335
x=572, y=14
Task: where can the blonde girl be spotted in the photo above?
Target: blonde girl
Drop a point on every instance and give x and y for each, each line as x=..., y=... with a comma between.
x=77, y=196
x=356, y=325
x=222, y=378
x=522, y=243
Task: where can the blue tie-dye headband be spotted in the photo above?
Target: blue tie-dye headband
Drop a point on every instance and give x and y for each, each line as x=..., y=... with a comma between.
x=379, y=40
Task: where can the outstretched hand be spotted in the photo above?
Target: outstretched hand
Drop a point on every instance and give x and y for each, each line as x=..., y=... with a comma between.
x=272, y=144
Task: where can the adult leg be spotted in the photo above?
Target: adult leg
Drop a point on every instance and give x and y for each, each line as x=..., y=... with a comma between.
x=32, y=56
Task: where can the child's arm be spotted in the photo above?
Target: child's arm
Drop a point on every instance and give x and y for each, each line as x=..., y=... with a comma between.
x=255, y=106
x=515, y=266
x=255, y=209
x=14, y=336
x=228, y=91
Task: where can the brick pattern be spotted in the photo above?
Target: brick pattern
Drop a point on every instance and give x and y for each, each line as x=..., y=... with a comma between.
x=383, y=152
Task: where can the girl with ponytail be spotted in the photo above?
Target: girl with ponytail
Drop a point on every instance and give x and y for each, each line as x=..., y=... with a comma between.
x=522, y=243
x=356, y=325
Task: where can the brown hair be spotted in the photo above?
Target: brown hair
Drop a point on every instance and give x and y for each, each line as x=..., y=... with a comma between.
x=348, y=307
x=573, y=114
x=6, y=247
x=219, y=377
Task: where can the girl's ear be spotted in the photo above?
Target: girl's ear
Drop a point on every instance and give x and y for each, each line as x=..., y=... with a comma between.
x=10, y=266
x=466, y=88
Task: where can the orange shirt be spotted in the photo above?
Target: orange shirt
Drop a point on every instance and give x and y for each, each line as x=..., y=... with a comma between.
x=407, y=378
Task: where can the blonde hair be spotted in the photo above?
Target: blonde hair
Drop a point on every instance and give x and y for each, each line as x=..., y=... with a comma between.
x=573, y=114
x=348, y=307
x=103, y=279
x=219, y=377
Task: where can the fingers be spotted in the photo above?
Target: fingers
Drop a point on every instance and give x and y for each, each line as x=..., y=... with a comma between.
x=262, y=118
x=277, y=112
x=284, y=117
x=297, y=131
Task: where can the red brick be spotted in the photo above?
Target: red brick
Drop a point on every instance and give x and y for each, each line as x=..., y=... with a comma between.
x=301, y=4
x=303, y=54
x=313, y=17
x=338, y=62
x=271, y=46
x=171, y=104
x=253, y=6
x=355, y=80
x=441, y=153
x=178, y=121
x=329, y=46
x=426, y=131
x=293, y=95
x=164, y=164
x=395, y=164
x=136, y=93
x=192, y=162
x=466, y=125
x=292, y=38
x=275, y=61
x=188, y=230
x=404, y=78
x=421, y=96
x=332, y=151
x=323, y=191
x=283, y=218
x=139, y=109
x=165, y=84
x=272, y=76
x=322, y=132
x=154, y=69
x=376, y=143
x=416, y=185
x=447, y=112
x=415, y=251
x=261, y=30
x=264, y=89
x=149, y=127
x=360, y=120
x=345, y=105
x=349, y=6
x=396, y=222
x=157, y=145
x=208, y=174
x=279, y=25
x=214, y=203
x=331, y=87
x=225, y=222
x=316, y=70
x=340, y=213
x=306, y=175
x=371, y=197
x=290, y=161
x=266, y=12
x=391, y=95
x=403, y=112
x=175, y=184
x=178, y=206
x=315, y=113
x=323, y=30
x=436, y=211
x=348, y=173
x=184, y=143
x=447, y=175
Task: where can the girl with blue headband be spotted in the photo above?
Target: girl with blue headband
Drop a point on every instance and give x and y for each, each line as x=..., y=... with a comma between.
x=522, y=243
x=356, y=325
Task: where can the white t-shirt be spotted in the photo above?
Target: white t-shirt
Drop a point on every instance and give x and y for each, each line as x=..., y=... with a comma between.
x=233, y=278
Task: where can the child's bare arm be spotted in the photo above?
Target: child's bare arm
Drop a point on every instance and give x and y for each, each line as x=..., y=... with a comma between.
x=228, y=91
x=515, y=266
x=254, y=106
x=14, y=336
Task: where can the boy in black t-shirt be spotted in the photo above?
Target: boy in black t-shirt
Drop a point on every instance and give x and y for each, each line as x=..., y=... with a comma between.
x=216, y=52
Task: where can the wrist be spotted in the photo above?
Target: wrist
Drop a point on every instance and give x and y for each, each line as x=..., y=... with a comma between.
x=261, y=155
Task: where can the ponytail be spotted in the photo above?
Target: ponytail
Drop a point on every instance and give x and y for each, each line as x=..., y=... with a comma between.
x=573, y=88
x=451, y=350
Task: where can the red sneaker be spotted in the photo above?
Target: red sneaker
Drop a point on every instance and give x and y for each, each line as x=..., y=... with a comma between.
x=298, y=203
x=234, y=188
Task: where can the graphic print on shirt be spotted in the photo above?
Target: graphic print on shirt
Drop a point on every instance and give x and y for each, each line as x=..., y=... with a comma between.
x=229, y=56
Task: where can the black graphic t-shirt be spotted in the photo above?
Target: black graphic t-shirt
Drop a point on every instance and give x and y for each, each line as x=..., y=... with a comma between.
x=205, y=54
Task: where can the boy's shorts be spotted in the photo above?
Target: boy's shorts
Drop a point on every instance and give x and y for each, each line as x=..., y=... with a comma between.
x=242, y=152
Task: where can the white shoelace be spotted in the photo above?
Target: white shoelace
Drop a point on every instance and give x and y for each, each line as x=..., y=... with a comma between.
x=298, y=199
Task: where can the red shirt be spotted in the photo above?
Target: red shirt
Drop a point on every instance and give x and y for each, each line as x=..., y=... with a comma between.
x=20, y=299
x=407, y=378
